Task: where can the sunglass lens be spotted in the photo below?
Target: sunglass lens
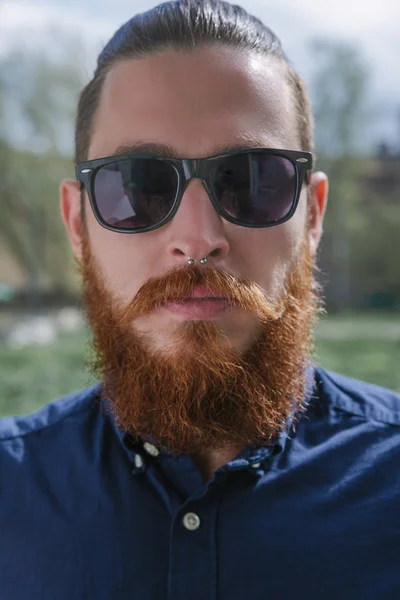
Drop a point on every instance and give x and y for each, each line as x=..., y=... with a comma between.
x=135, y=193
x=255, y=188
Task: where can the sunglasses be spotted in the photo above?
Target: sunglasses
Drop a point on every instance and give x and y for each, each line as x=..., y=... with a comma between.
x=257, y=187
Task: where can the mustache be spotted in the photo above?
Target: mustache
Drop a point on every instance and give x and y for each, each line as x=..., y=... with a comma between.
x=180, y=282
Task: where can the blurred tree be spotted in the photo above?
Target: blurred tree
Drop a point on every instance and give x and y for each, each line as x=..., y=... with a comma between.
x=375, y=256
x=340, y=97
x=41, y=89
x=339, y=92
x=37, y=103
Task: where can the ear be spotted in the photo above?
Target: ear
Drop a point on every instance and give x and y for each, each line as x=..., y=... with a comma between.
x=70, y=205
x=318, y=198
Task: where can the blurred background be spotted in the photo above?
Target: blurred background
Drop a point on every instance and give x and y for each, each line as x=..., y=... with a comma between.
x=347, y=53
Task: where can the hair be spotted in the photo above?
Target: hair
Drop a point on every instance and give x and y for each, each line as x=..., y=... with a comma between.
x=186, y=25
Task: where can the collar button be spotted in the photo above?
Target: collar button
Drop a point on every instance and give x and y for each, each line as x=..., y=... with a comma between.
x=150, y=449
x=138, y=461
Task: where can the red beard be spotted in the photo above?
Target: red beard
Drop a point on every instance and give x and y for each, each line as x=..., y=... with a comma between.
x=203, y=395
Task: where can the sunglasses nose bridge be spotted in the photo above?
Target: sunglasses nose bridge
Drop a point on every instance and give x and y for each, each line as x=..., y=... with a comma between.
x=194, y=168
x=189, y=168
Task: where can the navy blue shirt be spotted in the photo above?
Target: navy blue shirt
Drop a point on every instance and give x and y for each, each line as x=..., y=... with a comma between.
x=86, y=514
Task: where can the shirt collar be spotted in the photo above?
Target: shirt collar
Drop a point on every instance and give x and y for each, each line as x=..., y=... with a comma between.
x=140, y=450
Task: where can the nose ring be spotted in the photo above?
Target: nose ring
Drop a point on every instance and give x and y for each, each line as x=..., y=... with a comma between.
x=203, y=261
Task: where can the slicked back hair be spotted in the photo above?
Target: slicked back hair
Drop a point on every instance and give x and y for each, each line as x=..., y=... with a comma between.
x=187, y=25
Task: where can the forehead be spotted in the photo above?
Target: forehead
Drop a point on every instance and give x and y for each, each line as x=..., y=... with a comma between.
x=196, y=102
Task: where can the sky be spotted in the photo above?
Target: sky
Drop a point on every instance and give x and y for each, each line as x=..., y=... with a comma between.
x=371, y=26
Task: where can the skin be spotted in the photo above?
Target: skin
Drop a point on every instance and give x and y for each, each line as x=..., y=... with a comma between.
x=196, y=103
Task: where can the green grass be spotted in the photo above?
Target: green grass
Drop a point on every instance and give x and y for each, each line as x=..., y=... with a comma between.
x=376, y=361
x=366, y=348
x=31, y=377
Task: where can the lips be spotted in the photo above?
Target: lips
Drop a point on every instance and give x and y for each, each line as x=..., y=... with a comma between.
x=201, y=304
x=197, y=309
x=201, y=291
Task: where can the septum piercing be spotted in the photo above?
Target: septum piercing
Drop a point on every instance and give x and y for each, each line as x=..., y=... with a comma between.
x=202, y=261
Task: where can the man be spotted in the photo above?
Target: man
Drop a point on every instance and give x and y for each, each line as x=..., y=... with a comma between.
x=214, y=461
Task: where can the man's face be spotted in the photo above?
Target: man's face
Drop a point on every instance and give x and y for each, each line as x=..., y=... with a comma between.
x=196, y=103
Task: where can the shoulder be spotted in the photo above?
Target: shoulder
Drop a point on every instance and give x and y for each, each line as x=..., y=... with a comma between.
x=368, y=401
x=46, y=457
x=55, y=414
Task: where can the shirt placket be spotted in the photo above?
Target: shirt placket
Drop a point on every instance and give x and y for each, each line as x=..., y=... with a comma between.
x=193, y=551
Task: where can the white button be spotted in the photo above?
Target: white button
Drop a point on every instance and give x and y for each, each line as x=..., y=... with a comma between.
x=151, y=449
x=256, y=465
x=191, y=521
x=138, y=461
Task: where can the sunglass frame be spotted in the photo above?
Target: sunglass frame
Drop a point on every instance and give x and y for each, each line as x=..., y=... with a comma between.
x=189, y=168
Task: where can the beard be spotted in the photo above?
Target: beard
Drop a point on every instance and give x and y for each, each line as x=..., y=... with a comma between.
x=199, y=393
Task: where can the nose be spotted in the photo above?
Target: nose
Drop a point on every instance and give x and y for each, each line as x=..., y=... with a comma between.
x=197, y=231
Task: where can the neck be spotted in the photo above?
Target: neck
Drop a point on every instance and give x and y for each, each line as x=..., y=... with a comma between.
x=209, y=461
